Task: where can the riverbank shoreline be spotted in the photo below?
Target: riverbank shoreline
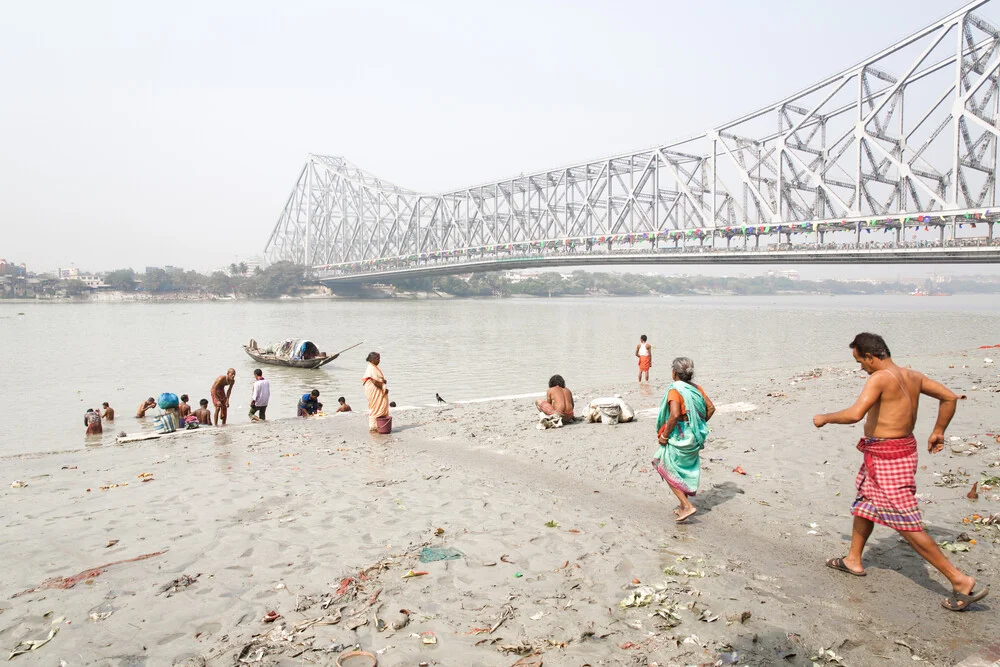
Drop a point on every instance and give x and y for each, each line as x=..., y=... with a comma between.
x=320, y=522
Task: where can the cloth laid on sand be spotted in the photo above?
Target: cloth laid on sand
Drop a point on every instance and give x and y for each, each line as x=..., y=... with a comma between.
x=679, y=461
x=609, y=409
x=378, y=397
x=548, y=421
x=887, y=485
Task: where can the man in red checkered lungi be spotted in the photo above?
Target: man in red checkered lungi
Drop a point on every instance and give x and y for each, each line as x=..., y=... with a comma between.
x=886, y=482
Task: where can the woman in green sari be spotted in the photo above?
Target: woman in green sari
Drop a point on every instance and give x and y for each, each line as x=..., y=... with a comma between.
x=681, y=429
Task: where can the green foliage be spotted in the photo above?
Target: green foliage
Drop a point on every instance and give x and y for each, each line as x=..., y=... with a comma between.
x=121, y=279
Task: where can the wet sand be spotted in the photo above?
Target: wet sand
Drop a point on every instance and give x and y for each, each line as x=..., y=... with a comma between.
x=317, y=519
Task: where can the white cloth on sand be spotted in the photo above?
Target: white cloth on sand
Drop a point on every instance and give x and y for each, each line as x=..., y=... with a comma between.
x=609, y=410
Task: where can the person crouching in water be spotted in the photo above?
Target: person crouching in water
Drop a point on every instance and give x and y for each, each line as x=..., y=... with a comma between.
x=92, y=420
x=681, y=431
x=309, y=404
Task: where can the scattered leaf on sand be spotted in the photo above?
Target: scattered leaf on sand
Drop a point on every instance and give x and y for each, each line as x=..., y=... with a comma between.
x=271, y=617
x=35, y=644
x=551, y=524
x=100, y=616
x=110, y=544
x=18, y=484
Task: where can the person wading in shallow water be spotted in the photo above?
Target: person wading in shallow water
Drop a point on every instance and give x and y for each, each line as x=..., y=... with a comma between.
x=645, y=354
x=886, y=483
x=221, y=390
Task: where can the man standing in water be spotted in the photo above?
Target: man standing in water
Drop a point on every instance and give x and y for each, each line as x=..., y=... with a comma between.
x=92, y=420
x=887, y=479
x=222, y=389
x=645, y=354
x=259, y=396
x=146, y=405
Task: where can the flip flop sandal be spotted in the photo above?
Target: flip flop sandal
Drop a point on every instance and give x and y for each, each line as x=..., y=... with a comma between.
x=838, y=564
x=952, y=603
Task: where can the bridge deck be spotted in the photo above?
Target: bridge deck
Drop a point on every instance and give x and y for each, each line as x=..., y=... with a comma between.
x=693, y=256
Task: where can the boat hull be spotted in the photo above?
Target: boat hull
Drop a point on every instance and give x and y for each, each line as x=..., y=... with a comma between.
x=290, y=363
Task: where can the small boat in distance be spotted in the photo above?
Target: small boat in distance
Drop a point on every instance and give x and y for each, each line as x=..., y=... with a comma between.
x=294, y=352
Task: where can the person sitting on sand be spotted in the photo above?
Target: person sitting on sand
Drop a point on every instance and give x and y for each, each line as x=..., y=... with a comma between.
x=886, y=482
x=221, y=390
x=183, y=409
x=558, y=399
x=148, y=404
x=202, y=413
x=344, y=407
x=309, y=405
x=108, y=413
x=681, y=430
x=92, y=420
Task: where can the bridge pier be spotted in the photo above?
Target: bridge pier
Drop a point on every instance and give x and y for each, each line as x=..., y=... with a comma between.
x=989, y=233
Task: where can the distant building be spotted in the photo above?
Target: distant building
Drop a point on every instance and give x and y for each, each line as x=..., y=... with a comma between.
x=791, y=274
x=71, y=273
x=92, y=281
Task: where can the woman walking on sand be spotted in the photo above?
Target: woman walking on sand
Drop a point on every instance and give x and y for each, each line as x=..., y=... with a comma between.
x=681, y=430
x=378, y=395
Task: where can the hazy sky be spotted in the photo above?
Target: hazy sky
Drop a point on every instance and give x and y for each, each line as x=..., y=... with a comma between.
x=139, y=134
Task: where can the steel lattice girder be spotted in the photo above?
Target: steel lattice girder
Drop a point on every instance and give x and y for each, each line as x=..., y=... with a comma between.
x=839, y=149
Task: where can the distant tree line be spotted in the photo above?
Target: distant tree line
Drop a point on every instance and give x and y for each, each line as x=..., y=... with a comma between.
x=279, y=279
x=632, y=284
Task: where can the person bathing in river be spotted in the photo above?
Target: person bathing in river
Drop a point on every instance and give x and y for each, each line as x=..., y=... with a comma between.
x=148, y=404
x=108, y=413
x=92, y=420
x=202, y=413
x=221, y=390
x=309, y=404
x=886, y=482
x=558, y=399
x=183, y=409
x=343, y=407
x=681, y=430
x=375, y=391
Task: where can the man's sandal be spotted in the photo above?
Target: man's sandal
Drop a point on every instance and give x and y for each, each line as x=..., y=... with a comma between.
x=838, y=564
x=960, y=601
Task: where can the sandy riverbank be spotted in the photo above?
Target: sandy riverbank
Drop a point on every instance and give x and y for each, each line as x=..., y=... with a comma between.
x=318, y=520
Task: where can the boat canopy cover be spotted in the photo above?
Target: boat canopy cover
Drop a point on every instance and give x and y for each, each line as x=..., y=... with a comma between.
x=295, y=349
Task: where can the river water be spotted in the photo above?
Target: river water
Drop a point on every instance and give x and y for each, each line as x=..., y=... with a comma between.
x=60, y=359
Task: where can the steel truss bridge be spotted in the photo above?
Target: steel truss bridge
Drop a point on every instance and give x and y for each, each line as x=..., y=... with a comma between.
x=834, y=173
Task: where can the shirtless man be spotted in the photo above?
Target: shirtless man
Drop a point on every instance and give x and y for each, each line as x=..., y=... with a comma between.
x=558, y=399
x=108, y=413
x=183, y=409
x=148, y=404
x=887, y=479
x=344, y=407
x=202, y=413
x=222, y=388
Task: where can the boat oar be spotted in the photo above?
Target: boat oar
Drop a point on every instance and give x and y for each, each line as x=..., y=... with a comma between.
x=345, y=350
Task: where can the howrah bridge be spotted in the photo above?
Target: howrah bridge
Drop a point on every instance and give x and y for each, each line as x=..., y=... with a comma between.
x=835, y=173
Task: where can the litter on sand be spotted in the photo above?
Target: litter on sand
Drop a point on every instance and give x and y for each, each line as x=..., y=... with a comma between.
x=30, y=645
x=178, y=584
x=70, y=582
x=18, y=484
x=739, y=470
x=411, y=574
x=433, y=554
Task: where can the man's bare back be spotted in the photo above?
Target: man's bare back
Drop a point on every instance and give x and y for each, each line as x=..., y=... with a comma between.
x=561, y=399
x=895, y=410
x=203, y=415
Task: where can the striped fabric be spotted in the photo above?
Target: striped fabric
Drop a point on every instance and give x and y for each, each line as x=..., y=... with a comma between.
x=887, y=484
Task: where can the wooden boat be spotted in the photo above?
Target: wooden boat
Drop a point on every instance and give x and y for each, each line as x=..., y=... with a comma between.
x=294, y=352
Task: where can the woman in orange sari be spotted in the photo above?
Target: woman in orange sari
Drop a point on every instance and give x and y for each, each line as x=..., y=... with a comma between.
x=375, y=391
